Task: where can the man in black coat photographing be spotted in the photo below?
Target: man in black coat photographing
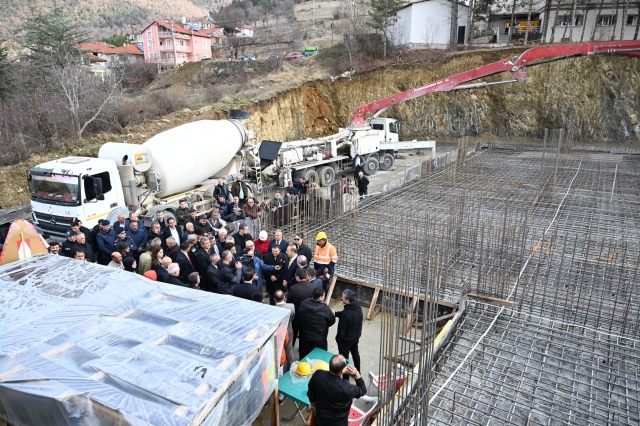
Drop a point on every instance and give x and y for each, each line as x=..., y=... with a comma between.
x=331, y=396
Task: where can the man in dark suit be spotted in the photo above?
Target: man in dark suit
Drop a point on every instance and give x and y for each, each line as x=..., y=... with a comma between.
x=273, y=279
x=203, y=258
x=298, y=293
x=174, y=275
x=211, y=277
x=289, y=277
x=172, y=230
x=184, y=262
x=279, y=241
x=246, y=290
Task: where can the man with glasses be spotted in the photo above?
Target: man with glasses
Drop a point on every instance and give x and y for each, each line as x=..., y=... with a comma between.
x=303, y=249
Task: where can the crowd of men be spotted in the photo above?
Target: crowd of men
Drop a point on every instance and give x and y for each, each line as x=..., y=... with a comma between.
x=201, y=252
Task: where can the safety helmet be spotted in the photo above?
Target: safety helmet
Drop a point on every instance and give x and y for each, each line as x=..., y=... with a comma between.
x=321, y=365
x=321, y=236
x=303, y=369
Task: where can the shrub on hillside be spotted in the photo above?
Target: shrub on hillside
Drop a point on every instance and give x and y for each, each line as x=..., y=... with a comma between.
x=214, y=93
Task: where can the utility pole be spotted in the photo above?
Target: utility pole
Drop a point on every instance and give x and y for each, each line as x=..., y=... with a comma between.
x=173, y=41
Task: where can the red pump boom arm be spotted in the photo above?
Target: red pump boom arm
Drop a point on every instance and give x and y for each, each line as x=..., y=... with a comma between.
x=517, y=67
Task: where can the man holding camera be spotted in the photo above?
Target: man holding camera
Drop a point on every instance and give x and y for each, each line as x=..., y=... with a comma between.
x=249, y=261
x=228, y=275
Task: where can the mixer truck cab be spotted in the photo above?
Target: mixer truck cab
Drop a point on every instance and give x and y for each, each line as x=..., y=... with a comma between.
x=73, y=187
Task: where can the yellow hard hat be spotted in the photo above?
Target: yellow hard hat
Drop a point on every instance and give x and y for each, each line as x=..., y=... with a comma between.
x=303, y=369
x=321, y=236
x=321, y=365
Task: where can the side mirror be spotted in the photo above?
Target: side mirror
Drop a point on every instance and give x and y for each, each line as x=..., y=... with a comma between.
x=97, y=186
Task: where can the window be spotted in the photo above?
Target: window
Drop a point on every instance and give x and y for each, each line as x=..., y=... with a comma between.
x=151, y=55
x=104, y=185
x=150, y=42
x=184, y=57
x=566, y=20
x=378, y=126
x=394, y=127
x=149, y=33
x=632, y=20
x=169, y=56
x=204, y=47
x=168, y=42
x=606, y=20
x=181, y=42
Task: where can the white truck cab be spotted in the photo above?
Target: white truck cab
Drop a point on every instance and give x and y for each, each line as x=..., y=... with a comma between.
x=389, y=129
x=74, y=187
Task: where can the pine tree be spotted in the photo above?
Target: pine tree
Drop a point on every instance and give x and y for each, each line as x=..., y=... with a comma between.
x=384, y=15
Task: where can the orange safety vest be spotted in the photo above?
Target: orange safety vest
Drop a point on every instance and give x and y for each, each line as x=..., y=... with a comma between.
x=325, y=255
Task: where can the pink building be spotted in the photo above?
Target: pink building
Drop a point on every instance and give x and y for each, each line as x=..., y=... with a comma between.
x=173, y=44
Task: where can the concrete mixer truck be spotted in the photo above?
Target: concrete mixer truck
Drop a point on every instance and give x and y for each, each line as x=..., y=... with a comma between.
x=145, y=178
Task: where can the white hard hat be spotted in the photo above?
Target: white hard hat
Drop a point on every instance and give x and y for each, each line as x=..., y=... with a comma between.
x=263, y=235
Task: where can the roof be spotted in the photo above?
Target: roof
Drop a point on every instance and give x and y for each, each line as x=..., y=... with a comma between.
x=178, y=28
x=102, y=345
x=211, y=31
x=109, y=49
x=98, y=46
x=127, y=49
x=247, y=27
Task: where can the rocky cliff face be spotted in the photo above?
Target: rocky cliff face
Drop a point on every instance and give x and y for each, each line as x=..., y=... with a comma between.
x=599, y=97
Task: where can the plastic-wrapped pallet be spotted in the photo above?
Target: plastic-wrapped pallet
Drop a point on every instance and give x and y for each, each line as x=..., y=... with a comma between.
x=87, y=344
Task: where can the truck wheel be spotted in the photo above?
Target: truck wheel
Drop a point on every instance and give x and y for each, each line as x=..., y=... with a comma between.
x=371, y=166
x=327, y=174
x=386, y=162
x=310, y=175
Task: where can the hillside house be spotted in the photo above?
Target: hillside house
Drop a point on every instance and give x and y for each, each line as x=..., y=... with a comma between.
x=173, y=44
x=216, y=34
x=425, y=25
x=600, y=20
x=245, y=30
x=103, y=57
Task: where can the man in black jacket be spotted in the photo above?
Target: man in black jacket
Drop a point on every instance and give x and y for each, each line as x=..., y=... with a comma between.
x=303, y=249
x=228, y=276
x=363, y=185
x=330, y=396
x=81, y=244
x=67, y=245
x=246, y=290
x=273, y=279
x=315, y=318
x=298, y=293
x=221, y=190
x=349, y=328
x=184, y=261
x=211, y=276
x=241, y=237
x=203, y=259
x=173, y=277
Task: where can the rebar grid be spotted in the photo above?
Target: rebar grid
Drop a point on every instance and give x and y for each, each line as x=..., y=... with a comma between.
x=553, y=232
x=530, y=370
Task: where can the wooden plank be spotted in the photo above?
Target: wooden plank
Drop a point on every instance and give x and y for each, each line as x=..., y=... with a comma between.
x=275, y=407
x=374, y=286
x=495, y=300
x=331, y=286
x=372, y=305
x=410, y=318
x=375, y=312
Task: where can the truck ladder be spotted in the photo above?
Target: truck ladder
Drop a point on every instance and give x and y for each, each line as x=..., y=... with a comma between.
x=258, y=171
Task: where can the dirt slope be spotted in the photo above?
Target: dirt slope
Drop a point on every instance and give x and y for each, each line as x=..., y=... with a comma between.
x=598, y=96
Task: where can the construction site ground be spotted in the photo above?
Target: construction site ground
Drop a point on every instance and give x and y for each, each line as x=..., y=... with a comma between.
x=543, y=246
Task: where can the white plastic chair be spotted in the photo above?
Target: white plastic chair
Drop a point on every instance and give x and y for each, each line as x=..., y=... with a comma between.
x=357, y=417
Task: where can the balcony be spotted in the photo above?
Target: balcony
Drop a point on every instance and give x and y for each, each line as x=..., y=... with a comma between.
x=179, y=49
x=167, y=34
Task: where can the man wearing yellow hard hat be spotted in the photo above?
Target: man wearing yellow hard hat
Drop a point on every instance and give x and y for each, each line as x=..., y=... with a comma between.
x=324, y=259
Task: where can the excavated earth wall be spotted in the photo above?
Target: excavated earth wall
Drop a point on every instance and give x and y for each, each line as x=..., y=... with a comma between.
x=599, y=97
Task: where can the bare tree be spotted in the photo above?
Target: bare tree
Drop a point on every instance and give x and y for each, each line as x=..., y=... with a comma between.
x=595, y=20
x=625, y=13
x=615, y=21
x=453, y=32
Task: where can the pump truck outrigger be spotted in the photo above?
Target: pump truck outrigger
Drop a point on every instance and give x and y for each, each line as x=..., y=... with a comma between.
x=154, y=176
